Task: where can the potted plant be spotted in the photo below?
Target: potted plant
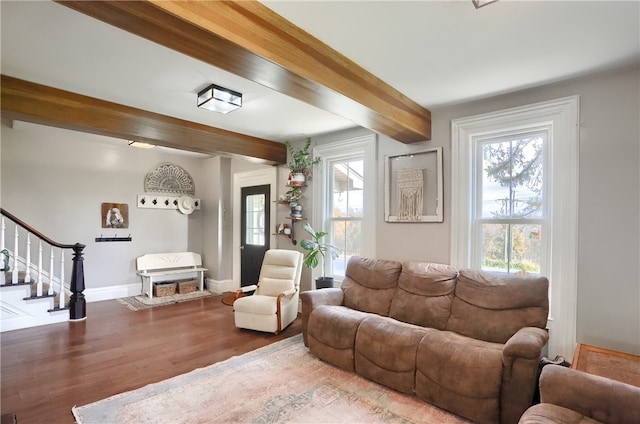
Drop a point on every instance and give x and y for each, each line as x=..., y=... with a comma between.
x=300, y=162
x=316, y=248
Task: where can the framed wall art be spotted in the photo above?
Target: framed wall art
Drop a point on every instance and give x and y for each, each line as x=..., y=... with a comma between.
x=413, y=187
x=115, y=215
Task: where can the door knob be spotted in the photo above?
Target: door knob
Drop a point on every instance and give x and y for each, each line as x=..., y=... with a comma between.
x=241, y=247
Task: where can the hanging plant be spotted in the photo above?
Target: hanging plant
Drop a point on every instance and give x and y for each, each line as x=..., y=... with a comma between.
x=301, y=160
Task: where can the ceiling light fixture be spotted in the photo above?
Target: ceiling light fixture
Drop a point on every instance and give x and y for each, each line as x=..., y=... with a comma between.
x=480, y=3
x=141, y=145
x=219, y=99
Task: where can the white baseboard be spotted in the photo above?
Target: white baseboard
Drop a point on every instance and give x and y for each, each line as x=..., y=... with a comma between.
x=134, y=289
x=219, y=286
x=112, y=292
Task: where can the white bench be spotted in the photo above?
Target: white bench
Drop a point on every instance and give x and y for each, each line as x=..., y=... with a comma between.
x=163, y=264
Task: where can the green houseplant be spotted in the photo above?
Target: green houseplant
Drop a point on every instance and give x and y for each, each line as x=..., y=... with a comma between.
x=317, y=250
x=301, y=160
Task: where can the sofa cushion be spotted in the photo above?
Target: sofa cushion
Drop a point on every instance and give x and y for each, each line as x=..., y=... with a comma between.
x=553, y=414
x=332, y=334
x=424, y=294
x=369, y=284
x=493, y=307
x=460, y=374
x=385, y=352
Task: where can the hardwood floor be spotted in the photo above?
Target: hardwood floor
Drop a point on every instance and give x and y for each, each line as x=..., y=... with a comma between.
x=47, y=370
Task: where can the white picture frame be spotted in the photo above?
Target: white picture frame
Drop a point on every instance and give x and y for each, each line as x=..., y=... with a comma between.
x=413, y=187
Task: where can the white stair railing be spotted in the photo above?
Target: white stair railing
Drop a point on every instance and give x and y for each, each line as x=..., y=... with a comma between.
x=27, y=273
x=39, y=281
x=3, y=258
x=14, y=273
x=23, y=268
x=50, y=292
x=61, y=299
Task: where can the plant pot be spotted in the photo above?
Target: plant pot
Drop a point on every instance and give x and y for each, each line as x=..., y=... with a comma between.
x=297, y=179
x=324, y=282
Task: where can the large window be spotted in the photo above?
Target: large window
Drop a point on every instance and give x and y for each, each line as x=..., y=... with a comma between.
x=344, y=198
x=514, y=201
x=510, y=212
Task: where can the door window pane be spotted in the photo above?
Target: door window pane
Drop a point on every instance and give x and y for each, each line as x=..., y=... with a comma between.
x=255, y=217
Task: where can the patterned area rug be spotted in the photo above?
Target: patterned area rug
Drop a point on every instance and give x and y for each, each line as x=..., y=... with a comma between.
x=136, y=303
x=279, y=383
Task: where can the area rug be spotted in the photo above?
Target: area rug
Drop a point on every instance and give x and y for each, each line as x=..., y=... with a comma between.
x=136, y=303
x=279, y=383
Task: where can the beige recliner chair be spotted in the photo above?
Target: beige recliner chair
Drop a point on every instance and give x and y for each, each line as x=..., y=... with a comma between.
x=274, y=304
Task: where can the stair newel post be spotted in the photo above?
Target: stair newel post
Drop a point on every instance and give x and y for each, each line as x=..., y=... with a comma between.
x=14, y=273
x=27, y=273
x=39, y=280
x=77, y=303
x=50, y=291
x=61, y=295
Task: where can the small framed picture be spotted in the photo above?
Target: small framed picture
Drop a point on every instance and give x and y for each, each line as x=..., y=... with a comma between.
x=115, y=215
x=413, y=187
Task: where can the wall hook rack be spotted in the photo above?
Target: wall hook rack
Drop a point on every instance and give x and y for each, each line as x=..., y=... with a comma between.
x=114, y=238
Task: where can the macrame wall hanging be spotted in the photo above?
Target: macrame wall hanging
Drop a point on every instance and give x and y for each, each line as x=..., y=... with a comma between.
x=410, y=184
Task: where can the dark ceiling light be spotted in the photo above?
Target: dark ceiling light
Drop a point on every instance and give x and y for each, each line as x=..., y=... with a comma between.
x=219, y=99
x=480, y=3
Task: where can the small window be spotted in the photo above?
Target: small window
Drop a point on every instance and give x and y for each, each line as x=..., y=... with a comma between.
x=344, y=198
x=347, y=210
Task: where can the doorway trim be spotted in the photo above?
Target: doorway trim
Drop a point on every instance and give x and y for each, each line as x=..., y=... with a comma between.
x=247, y=179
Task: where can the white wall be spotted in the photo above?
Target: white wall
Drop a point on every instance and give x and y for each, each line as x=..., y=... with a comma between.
x=56, y=180
x=608, y=301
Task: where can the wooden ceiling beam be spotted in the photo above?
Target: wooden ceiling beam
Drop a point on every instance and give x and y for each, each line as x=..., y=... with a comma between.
x=27, y=101
x=248, y=39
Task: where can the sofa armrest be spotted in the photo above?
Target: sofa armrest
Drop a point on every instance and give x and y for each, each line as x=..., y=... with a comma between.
x=599, y=398
x=520, y=359
x=527, y=343
x=313, y=298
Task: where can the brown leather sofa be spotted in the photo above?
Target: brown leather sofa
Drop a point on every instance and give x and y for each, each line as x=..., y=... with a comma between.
x=467, y=342
x=571, y=396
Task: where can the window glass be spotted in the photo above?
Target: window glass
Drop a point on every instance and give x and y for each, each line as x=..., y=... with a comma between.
x=511, y=203
x=347, y=210
x=512, y=177
x=255, y=215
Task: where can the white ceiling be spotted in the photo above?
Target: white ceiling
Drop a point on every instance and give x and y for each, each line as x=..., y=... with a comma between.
x=435, y=52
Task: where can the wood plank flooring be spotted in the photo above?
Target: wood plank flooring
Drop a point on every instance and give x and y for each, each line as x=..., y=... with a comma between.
x=47, y=370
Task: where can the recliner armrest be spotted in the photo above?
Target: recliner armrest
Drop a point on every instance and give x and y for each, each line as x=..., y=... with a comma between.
x=247, y=289
x=288, y=293
x=599, y=398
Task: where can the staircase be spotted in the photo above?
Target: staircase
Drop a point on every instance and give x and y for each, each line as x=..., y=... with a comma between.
x=31, y=295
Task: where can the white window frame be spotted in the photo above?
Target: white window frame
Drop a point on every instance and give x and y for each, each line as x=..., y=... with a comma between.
x=561, y=116
x=364, y=147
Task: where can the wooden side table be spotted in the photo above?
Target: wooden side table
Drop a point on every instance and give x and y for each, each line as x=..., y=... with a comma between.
x=608, y=363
